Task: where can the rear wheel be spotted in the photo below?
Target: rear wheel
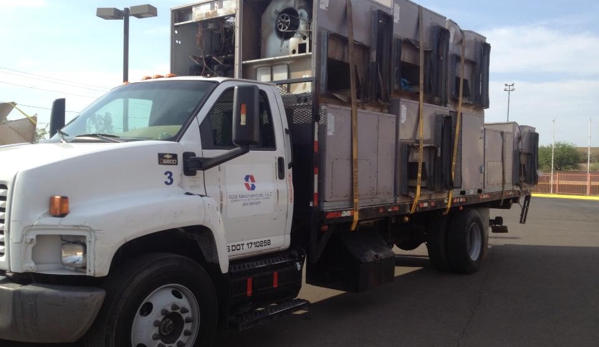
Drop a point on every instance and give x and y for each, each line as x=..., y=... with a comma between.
x=156, y=300
x=467, y=241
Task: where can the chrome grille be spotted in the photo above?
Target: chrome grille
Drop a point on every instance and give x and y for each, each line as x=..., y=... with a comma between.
x=3, y=197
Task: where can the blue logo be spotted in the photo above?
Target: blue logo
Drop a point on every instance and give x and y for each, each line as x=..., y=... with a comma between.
x=250, y=182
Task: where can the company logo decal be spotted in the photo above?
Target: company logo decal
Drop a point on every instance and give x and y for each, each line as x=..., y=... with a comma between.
x=167, y=159
x=250, y=182
x=250, y=189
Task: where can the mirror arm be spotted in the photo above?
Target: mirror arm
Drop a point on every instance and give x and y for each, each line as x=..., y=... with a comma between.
x=191, y=163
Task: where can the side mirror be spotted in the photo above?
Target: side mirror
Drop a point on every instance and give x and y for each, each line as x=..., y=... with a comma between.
x=246, y=116
x=57, y=117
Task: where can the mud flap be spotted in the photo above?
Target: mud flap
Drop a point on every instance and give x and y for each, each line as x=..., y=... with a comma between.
x=354, y=262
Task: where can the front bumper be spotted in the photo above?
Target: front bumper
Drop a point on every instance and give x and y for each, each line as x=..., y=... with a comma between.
x=46, y=313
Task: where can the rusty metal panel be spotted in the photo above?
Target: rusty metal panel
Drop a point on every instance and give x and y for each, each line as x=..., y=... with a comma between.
x=405, y=14
x=332, y=17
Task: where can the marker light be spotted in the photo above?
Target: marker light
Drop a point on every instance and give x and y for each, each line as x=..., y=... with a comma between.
x=169, y=75
x=59, y=206
x=243, y=112
x=157, y=76
x=146, y=78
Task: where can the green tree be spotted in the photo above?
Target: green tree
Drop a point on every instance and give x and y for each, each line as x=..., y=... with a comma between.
x=40, y=134
x=101, y=124
x=567, y=157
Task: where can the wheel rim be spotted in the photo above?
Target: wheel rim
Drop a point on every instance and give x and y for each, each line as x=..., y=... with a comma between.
x=474, y=241
x=169, y=316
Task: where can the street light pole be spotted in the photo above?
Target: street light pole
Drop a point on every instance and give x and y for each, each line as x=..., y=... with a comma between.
x=111, y=13
x=589, y=160
x=126, y=45
x=509, y=88
x=552, y=153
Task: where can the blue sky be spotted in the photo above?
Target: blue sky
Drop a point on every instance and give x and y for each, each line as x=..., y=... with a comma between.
x=549, y=49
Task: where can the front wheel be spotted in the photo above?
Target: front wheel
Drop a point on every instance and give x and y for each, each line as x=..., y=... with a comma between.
x=156, y=300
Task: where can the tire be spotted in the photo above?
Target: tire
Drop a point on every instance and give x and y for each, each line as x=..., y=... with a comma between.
x=467, y=241
x=156, y=300
x=436, y=243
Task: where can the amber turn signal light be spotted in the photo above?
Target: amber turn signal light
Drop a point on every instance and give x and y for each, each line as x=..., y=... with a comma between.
x=59, y=206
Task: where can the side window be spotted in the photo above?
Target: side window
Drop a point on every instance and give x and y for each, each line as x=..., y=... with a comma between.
x=217, y=127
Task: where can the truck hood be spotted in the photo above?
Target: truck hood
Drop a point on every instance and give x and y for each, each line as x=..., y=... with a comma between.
x=16, y=158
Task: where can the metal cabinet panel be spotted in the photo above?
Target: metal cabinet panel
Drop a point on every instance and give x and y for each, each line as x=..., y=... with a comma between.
x=498, y=165
x=472, y=152
x=376, y=155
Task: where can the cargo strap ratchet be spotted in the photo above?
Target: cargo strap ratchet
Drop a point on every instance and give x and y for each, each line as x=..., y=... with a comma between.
x=354, y=115
x=458, y=125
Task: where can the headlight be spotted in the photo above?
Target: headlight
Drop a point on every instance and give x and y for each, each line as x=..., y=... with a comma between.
x=74, y=254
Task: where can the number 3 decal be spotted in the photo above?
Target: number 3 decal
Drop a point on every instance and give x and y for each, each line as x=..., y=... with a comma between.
x=169, y=178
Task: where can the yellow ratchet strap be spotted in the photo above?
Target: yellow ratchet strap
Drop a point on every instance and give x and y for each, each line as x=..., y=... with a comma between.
x=14, y=104
x=457, y=126
x=354, y=116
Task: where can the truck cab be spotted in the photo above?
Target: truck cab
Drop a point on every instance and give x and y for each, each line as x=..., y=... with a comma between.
x=195, y=166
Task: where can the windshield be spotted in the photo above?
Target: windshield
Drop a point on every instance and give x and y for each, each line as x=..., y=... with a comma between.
x=139, y=111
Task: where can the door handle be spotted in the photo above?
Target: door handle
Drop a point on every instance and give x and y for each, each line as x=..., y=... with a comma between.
x=281, y=167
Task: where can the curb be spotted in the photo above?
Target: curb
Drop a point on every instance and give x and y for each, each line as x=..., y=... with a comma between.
x=560, y=196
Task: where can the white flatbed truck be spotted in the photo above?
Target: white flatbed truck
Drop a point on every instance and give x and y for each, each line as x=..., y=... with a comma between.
x=174, y=207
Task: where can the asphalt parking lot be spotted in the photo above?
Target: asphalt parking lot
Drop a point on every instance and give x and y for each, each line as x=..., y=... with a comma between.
x=539, y=287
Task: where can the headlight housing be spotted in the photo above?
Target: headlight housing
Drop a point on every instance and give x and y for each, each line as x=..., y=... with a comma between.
x=74, y=252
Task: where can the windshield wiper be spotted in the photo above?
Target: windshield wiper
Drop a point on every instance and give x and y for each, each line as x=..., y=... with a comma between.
x=62, y=134
x=105, y=137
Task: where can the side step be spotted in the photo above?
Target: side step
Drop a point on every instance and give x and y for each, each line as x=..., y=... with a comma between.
x=267, y=314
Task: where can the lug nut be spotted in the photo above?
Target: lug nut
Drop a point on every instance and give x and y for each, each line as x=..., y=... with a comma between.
x=180, y=343
x=175, y=307
x=155, y=337
x=157, y=323
x=187, y=332
x=188, y=319
x=161, y=345
x=184, y=310
x=165, y=312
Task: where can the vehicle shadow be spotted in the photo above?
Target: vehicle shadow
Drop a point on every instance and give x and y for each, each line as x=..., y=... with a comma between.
x=518, y=299
x=523, y=296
